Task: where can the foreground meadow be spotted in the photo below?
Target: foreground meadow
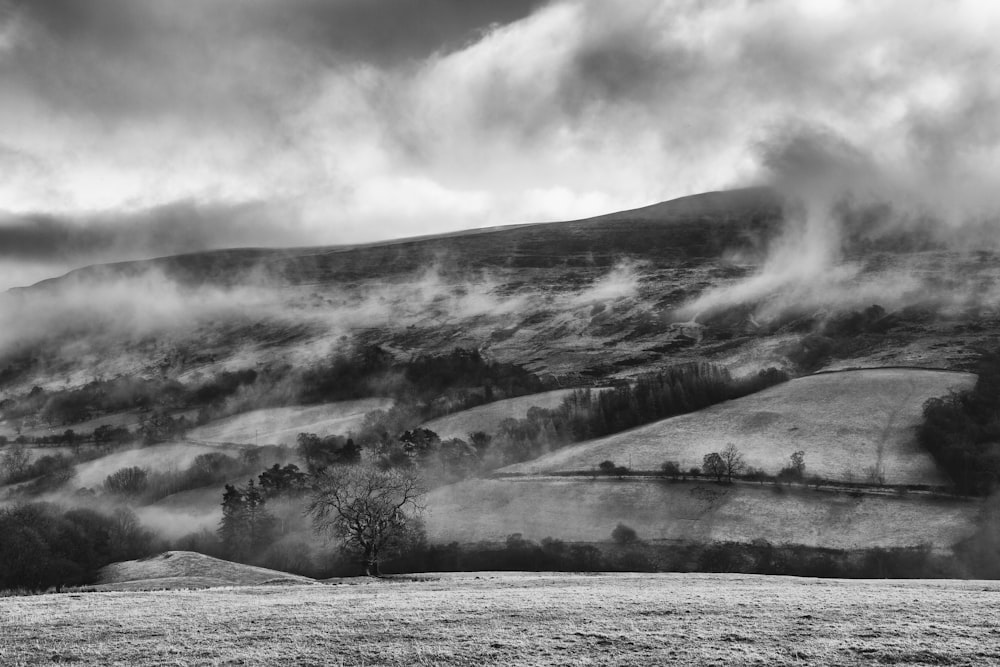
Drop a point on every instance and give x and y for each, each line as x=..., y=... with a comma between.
x=510, y=618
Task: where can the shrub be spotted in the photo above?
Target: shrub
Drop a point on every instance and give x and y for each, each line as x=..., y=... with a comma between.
x=623, y=534
x=671, y=469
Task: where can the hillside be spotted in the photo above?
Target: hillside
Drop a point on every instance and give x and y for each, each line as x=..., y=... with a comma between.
x=487, y=417
x=280, y=426
x=185, y=569
x=847, y=423
x=575, y=509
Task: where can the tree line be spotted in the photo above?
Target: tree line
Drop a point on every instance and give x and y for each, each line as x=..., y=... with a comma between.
x=961, y=430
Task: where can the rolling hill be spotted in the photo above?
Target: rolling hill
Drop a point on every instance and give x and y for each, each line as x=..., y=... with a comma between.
x=846, y=423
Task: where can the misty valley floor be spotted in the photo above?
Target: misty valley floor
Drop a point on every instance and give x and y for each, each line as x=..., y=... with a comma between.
x=512, y=618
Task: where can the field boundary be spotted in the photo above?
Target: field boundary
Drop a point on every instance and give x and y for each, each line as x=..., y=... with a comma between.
x=828, y=486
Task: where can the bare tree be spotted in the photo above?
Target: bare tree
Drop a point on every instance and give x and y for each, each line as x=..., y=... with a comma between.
x=372, y=510
x=732, y=461
x=713, y=465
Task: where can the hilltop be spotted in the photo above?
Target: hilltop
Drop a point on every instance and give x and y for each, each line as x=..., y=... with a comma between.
x=184, y=569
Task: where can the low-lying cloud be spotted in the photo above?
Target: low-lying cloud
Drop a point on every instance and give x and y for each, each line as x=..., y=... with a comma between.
x=348, y=121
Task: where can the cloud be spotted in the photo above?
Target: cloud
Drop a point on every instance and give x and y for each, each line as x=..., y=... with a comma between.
x=367, y=120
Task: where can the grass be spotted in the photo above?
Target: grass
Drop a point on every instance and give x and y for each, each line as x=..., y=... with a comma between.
x=162, y=457
x=186, y=569
x=282, y=425
x=584, y=510
x=487, y=417
x=517, y=619
x=845, y=423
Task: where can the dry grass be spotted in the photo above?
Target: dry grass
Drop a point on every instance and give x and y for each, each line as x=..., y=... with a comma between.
x=518, y=619
x=584, y=510
x=186, y=569
x=487, y=417
x=844, y=422
x=282, y=425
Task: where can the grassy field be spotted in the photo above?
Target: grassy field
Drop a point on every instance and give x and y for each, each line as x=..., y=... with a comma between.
x=518, y=619
x=281, y=425
x=487, y=417
x=845, y=423
x=575, y=509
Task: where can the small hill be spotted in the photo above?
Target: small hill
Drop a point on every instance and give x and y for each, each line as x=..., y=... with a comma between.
x=186, y=569
x=487, y=417
x=282, y=425
x=846, y=423
x=585, y=510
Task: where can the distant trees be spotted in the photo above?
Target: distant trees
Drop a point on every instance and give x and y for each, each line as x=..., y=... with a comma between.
x=374, y=511
x=961, y=430
x=15, y=462
x=588, y=413
x=331, y=450
x=795, y=471
x=732, y=461
x=611, y=468
x=44, y=546
x=671, y=469
x=130, y=481
x=246, y=526
x=280, y=480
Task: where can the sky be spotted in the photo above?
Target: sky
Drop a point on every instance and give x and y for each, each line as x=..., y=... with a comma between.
x=140, y=128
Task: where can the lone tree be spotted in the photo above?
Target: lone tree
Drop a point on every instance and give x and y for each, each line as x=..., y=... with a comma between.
x=713, y=466
x=372, y=510
x=732, y=459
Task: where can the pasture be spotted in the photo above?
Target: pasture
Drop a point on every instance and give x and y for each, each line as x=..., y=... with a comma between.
x=847, y=423
x=517, y=619
x=280, y=426
x=585, y=510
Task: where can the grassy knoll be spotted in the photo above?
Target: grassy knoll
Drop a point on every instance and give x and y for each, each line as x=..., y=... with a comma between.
x=282, y=425
x=581, y=509
x=517, y=619
x=186, y=569
x=846, y=423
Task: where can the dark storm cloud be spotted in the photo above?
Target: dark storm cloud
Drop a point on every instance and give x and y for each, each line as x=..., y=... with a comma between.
x=173, y=229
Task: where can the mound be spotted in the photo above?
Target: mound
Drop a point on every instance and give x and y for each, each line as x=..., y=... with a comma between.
x=583, y=510
x=487, y=417
x=186, y=569
x=847, y=423
x=282, y=425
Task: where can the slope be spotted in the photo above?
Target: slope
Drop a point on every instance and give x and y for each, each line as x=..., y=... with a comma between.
x=186, y=569
x=282, y=425
x=487, y=418
x=847, y=423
